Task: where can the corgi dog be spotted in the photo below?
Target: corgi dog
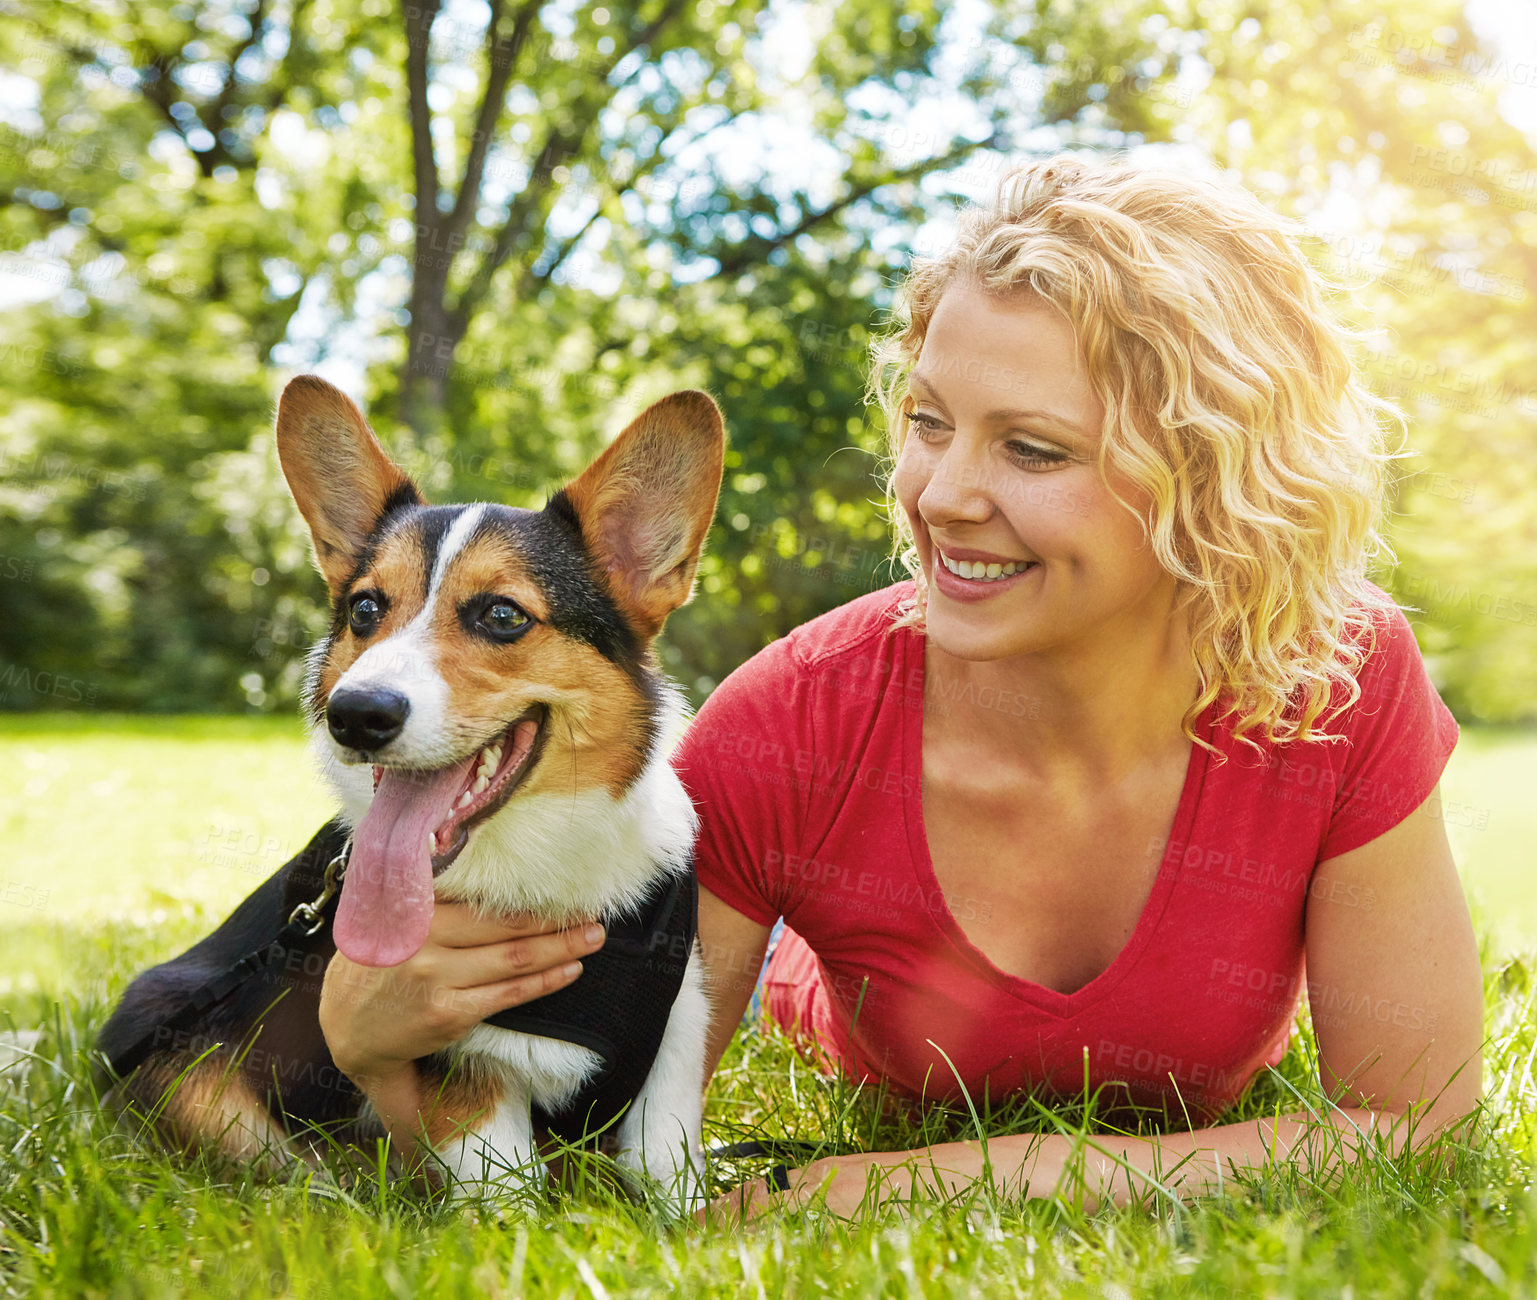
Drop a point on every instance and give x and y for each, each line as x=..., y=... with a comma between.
x=488, y=709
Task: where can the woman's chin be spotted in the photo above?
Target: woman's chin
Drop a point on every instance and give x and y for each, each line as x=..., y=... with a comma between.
x=962, y=638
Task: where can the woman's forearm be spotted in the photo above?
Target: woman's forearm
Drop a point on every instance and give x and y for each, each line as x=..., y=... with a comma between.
x=1094, y=1169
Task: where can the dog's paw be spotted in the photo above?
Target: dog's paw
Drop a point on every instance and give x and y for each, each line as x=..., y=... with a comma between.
x=509, y=1195
x=671, y=1180
x=476, y=1176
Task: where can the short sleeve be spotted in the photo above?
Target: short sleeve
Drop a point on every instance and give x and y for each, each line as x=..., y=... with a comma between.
x=744, y=761
x=1399, y=736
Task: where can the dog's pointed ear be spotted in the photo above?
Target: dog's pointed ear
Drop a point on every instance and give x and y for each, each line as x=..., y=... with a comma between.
x=645, y=505
x=342, y=481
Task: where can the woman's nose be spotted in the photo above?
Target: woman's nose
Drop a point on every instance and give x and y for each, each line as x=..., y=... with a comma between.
x=959, y=489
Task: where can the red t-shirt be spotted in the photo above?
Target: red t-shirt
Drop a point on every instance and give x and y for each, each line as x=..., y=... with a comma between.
x=806, y=767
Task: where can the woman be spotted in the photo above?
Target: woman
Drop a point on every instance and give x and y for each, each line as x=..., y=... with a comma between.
x=1138, y=745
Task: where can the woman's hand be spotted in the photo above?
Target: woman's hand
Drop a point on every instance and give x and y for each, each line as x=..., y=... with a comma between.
x=378, y=1020
x=843, y=1178
x=854, y=1184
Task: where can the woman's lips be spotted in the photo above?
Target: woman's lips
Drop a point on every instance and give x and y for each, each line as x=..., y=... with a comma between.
x=955, y=587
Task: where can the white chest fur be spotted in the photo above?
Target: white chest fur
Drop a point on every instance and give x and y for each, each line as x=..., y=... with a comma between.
x=551, y=1071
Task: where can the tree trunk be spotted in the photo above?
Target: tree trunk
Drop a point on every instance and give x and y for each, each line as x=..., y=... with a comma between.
x=434, y=333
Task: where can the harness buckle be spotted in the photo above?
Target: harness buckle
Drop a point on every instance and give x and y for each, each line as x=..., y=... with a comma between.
x=312, y=915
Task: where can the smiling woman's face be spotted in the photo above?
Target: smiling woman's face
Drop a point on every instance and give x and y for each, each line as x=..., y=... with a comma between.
x=998, y=470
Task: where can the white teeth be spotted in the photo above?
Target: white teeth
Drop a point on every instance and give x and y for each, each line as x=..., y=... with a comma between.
x=490, y=760
x=977, y=571
x=431, y=843
x=465, y=800
x=480, y=784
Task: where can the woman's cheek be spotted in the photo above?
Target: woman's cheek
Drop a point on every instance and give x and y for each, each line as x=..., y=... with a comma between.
x=909, y=478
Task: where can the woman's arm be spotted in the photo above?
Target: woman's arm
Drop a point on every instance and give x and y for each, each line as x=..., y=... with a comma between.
x=732, y=946
x=1397, y=1002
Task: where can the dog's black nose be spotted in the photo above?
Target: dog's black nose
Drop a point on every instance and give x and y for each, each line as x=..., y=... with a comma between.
x=366, y=719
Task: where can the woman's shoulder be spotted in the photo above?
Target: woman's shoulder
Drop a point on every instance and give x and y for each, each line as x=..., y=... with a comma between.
x=853, y=627
x=814, y=683
x=1389, y=675
x=858, y=628
x=1397, y=737
x=1376, y=752
x=1391, y=663
x=772, y=740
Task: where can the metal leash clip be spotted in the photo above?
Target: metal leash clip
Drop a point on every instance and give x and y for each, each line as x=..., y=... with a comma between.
x=312, y=915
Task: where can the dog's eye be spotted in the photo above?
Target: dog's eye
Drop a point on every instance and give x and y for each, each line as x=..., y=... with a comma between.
x=364, y=612
x=504, y=620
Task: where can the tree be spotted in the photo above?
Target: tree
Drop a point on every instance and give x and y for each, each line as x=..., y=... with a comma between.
x=521, y=223
x=207, y=172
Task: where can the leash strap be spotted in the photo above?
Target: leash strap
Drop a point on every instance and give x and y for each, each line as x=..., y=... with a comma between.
x=303, y=921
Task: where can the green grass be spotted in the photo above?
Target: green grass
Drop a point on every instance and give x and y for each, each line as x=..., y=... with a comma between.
x=1491, y=821
x=125, y=839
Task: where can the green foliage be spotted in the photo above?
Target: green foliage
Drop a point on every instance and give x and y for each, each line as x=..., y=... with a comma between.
x=512, y=226
x=1400, y=111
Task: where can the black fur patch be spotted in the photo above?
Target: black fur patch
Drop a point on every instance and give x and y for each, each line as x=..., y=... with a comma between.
x=431, y=525
x=550, y=541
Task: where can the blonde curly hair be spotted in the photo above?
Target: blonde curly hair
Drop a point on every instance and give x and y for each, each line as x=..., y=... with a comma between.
x=1230, y=399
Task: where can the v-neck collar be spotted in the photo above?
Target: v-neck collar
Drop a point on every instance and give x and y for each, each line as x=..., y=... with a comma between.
x=922, y=864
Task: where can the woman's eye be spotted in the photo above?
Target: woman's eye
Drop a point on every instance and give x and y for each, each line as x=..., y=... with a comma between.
x=1034, y=457
x=924, y=426
x=503, y=619
x=364, y=613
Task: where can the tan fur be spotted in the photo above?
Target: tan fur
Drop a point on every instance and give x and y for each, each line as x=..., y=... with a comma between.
x=458, y=1102
x=593, y=741
x=207, y=1107
x=598, y=714
x=337, y=471
x=489, y=564
x=396, y=570
x=645, y=537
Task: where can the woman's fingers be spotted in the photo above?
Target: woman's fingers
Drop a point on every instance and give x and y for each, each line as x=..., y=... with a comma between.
x=511, y=960
x=376, y=1017
x=458, y=925
x=488, y=999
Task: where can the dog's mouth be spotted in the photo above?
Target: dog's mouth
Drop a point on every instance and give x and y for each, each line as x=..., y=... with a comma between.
x=417, y=824
x=495, y=772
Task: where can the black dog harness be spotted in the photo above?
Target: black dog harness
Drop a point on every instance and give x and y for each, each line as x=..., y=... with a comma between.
x=618, y=1007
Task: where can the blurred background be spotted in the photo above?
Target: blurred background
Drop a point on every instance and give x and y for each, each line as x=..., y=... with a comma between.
x=504, y=227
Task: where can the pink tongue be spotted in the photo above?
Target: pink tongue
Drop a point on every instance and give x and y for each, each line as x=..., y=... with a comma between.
x=386, y=904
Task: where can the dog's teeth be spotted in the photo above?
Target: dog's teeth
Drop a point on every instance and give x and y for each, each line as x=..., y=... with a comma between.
x=432, y=846
x=480, y=784
x=465, y=800
x=486, y=771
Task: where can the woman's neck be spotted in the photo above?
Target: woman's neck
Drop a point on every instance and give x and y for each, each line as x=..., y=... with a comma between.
x=1096, y=709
